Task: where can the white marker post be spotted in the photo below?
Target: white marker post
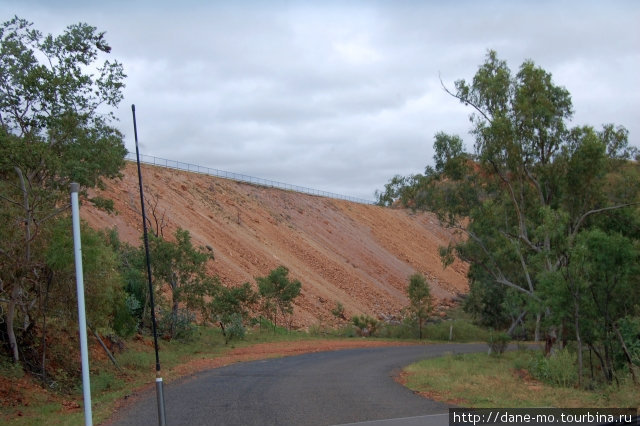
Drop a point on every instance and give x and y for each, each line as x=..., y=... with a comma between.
x=82, y=317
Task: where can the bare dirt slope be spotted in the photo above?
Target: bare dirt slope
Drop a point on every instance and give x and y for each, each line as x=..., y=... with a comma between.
x=358, y=255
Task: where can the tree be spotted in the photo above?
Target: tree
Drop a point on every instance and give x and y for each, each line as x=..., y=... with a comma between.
x=181, y=266
x=230, y=306
x=278, y=292
x=55, y=100
x=421, y=302
x=530, y=187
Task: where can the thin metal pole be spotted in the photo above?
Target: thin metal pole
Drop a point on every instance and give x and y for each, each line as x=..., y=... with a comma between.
x=159, y=383
x=82, y=317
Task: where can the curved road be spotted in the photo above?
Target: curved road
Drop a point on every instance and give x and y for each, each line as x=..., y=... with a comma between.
x=324, y=388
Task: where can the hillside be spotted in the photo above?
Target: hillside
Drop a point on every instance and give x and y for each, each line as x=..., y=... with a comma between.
x=358, y=255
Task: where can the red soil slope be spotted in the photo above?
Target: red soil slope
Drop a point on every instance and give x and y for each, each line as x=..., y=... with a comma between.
x=358, y=255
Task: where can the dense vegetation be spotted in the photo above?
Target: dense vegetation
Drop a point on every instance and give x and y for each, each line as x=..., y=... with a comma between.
x=56, y=127
x=546, y=215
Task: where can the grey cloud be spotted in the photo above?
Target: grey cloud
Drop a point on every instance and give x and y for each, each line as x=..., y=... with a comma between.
x=341, y=96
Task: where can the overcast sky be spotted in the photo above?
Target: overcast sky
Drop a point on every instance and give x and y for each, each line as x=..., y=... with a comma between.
x=341, y=95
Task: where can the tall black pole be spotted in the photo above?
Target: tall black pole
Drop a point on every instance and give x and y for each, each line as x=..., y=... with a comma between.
x=159, y=387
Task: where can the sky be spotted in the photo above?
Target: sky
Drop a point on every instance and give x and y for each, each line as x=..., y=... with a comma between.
x=341, y=96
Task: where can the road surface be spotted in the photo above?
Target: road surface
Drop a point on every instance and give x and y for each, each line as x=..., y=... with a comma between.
x=325, y=388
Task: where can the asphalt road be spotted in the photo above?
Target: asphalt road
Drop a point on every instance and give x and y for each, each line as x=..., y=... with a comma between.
x=326, y=388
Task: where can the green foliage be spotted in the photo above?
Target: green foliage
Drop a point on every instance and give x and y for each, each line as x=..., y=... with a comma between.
x=557, y=369
x=265, y=324
x=421, y=302
x=103, y=204
x=104, y=293
x=56, y=95
x=229, y=307
x=179, y=324
x=181, y=266
x=366, y=326
x=104, y=381
x=498, y=342
x=10, y=369
x=278, y=292
x=125, y=320
x=548, y=212
x=235, y=328
x=463, y=331
x=630, y=331
x=338, y=311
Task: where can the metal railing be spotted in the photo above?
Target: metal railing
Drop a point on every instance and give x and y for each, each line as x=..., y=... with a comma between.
x=194, y=168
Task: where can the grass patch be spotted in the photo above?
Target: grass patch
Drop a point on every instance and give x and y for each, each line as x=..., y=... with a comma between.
x=483, y=381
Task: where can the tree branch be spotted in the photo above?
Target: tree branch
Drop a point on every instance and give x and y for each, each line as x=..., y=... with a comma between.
x=594, y=211
x=466, y=101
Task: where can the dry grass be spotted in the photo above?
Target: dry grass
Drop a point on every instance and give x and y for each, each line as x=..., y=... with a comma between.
x=483, y=381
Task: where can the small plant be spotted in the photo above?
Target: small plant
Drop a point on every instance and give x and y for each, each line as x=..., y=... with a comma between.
x=235, y=329
x=366, y=326
x=557, y=369
x=10, y=369
x=498, y=343
x=338, y=311
x=180, y=327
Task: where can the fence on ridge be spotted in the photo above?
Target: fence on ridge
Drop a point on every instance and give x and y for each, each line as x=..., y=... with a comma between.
x=194, y=168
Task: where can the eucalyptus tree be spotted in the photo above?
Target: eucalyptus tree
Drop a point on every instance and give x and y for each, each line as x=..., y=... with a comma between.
x=57, y=95
x=529, y=187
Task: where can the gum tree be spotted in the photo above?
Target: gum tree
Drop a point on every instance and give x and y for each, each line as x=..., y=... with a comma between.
x=531, y=185
x=57, y=94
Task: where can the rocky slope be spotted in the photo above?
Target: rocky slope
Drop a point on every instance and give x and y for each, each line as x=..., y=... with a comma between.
x=358, y=255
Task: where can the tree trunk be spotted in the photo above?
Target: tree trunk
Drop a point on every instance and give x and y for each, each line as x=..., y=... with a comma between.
x=514, y=324
x=174, y=306
x=537, y=331
x=11, y=314
x=579, y=341
x=16, y=292
x=603, y=364
x=626, y=353
x=174, y=318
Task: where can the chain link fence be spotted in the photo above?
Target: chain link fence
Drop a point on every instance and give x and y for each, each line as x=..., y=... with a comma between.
x=194, y=168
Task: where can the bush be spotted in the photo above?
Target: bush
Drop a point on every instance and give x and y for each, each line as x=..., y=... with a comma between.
x=125, y=323
x=366, y=326
x=559, y=369
x=338, y=311
x=184, y=327
x=498, y=342
x=235, y=329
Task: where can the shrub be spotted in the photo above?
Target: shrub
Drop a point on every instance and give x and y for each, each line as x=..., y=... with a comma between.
x=125, y=323
x=338, y=311
x=235, y=329
x=558, y=369
x=498, y=342
x=366, y=326
x=184, y=327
